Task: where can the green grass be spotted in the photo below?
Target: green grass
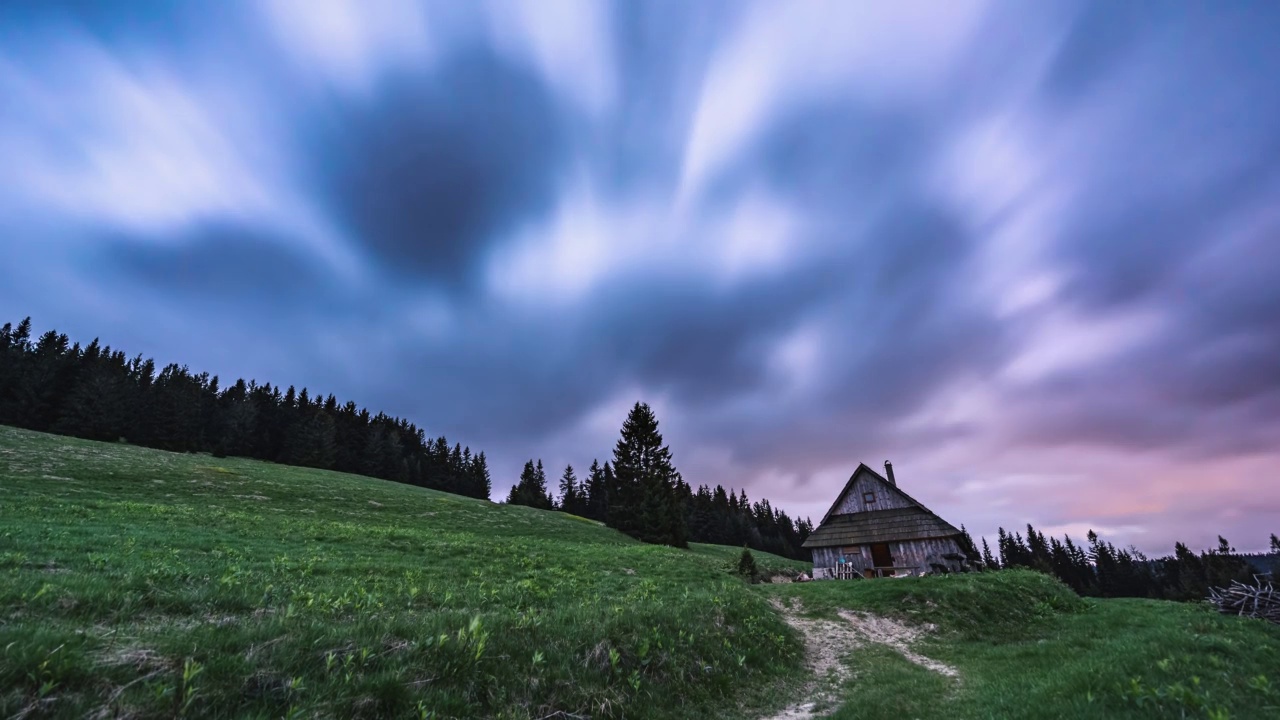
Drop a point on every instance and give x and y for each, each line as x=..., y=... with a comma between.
x=159, y=584
x=148, y=584
x=1026, y=647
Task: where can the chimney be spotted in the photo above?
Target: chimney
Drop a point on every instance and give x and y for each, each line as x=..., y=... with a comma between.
x=888, y=473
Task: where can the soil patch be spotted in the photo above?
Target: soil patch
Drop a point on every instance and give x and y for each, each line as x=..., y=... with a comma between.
x=825, y=641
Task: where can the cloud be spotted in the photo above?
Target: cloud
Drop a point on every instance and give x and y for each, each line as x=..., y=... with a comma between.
x=1028, y=255
x=222, y=265
x=428, y=174
x=783, y=59
x=125, y=143
x=352, y=45
x=568, y=41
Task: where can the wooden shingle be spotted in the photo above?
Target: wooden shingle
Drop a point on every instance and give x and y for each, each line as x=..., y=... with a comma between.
x=909, y=523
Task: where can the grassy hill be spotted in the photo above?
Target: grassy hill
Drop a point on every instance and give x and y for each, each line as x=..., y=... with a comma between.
x=135, y=582
x=312, y=592
x=1025, y=646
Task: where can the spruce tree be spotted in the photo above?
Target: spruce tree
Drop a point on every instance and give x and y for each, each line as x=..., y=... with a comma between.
x=597, y=493
x=481, y=485
x=643, y=499
x=970, y=550
x=545, y=501
x=570, y=495
x=531, y=490
x=988, y=560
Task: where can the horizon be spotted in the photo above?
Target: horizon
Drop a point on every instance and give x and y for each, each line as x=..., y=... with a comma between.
x=1026, y=253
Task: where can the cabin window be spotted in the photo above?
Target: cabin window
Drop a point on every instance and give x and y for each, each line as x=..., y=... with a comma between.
x=868, y=497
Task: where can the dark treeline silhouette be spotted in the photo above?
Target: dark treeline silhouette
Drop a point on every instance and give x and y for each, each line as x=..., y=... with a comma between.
x=53, y=385
x=1098, y=568
x=531, y=490
x=98, y=393
x=640, y=493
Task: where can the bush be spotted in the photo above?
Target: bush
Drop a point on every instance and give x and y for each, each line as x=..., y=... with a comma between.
x=747, y=564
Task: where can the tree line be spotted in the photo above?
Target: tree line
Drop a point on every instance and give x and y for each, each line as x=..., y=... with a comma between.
x=94, y=392
x=51, y=384
x=640, y=492
x=1098, y=568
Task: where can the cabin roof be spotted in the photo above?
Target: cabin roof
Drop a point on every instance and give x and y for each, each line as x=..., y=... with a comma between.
x=876, y=526
x=862, y=468
x=872, y=526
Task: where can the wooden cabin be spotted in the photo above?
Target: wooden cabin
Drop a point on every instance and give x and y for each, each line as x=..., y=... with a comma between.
x=874, y=529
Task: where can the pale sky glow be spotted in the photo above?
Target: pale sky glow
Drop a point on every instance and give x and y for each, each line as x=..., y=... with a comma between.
x=1027, y=251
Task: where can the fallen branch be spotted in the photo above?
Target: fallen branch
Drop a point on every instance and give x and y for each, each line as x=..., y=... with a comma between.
x=1255, y=601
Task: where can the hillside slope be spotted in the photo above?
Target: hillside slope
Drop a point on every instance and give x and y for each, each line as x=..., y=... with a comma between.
x=152, y=583
x=1019, y=644
x=139, y=583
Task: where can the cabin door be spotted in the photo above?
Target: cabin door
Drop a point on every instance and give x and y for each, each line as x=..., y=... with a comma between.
x=881, y=557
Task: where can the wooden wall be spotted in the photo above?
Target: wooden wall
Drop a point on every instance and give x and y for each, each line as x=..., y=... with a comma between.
x=886, y=496
x=829, y=557
x=907, y=553
x=920, y=553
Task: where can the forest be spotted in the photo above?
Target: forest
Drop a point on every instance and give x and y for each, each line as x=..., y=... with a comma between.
x=641, y=493
x=1100, y=569
x=95, y=392
x=54, y=385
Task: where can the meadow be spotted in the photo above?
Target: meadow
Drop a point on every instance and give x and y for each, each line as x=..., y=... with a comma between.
x=1025, y=646
x=141, y=583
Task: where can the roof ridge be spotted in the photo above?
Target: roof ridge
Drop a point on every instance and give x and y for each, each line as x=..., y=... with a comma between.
x=894, y=486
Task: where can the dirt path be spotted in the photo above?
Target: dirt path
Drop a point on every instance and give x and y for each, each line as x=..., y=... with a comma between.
x=896, y=635
x=825, y=641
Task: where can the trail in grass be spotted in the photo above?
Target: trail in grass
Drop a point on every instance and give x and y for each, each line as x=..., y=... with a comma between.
x=895, y=635
x=826, y=641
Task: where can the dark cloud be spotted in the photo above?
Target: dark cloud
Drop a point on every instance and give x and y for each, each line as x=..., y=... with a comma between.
x=1178, y=150
x=432, y=171
x=662, y=52
x=844, y=155
x=1155, y=127
x=220, y=263
x=701, y=344
x=137, y=27
x=890, y=279
x=1101, y=39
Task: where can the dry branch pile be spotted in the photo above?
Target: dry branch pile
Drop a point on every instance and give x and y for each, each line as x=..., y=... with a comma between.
x=1258, y=601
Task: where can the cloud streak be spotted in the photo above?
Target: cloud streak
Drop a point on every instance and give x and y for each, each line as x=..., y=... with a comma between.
x=1026, y=252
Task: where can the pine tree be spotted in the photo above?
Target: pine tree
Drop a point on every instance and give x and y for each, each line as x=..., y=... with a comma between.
x=988, y=560
x=309, y=439
x=531, y=490
x=971, y=554
x=597, y=492
x=545, y=500
x=481, y=485
x=454, y=472
x=643, y=500
x=95, y=407
x=50, y=384
x=570, y=494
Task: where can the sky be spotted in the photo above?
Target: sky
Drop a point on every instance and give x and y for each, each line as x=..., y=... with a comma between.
x=1029, y=252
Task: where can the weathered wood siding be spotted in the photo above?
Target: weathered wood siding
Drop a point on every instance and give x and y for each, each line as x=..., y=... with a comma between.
x=887, y=496
x=919, y=553
x=908, y=553
x=829, y=557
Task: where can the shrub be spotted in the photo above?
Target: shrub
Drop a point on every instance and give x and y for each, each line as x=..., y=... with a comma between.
x=747, y=564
